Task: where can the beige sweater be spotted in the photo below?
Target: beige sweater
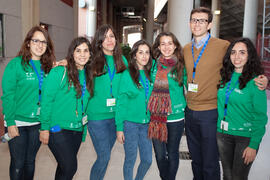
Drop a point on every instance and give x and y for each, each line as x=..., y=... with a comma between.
x=207, y=73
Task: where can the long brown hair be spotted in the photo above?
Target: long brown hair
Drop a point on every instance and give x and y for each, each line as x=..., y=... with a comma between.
x=47, y=59
x=179, y=67
x=132, y=64
x=72, y=71
x=99, y=60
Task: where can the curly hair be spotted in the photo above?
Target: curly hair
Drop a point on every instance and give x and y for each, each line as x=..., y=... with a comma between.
x=178, y=52
x=47, y=59
x=72, y=71
x=251, y=69
x=99, y=59
x=132, y=64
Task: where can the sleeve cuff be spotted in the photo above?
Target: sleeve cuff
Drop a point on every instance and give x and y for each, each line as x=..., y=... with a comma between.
x=254, y=145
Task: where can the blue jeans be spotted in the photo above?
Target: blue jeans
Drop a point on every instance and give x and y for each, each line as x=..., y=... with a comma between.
x=167, y=154
x=65, y=145
x=201, y=130
x=103, y=135
x=231, y=150
x=23, y=150
x=136, y=137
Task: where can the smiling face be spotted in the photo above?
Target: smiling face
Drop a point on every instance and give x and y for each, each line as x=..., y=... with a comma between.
x=142, y=56
x=38, y=45
x=166, y=46
x=199, y=24
x=109, y=42
x=239, y=56
x=81, y=55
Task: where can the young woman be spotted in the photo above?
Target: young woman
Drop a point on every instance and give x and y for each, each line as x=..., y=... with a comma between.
x=242, y=109
x=167, y=103
x=108, y=63
x=132, y=116
x=64, y=102
x=22, y=82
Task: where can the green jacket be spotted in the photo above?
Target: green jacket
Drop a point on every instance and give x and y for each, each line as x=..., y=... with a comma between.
x=132, y=101
x=246, y=111
x=178, y=100
x=20, y=92
x=59, y=104
x=98, y=109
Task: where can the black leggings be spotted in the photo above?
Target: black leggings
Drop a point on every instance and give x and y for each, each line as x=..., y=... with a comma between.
x=65, y=145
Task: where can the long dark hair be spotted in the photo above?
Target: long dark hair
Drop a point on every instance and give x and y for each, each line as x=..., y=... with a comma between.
x=99, y=60
x=72, y=71
x=251, y=69
x=47, y=59
x=132, y=64
x=179, y=67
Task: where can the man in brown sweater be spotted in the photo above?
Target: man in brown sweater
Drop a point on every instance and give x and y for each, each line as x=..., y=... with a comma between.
x=203, y=60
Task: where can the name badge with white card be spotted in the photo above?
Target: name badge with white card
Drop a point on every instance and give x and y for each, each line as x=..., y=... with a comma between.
x=192, y=87
x=224, y=125
x=84, y=120
x=38, y=111
x=111, y=102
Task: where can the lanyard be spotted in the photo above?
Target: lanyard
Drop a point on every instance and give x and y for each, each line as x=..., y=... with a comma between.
x=146, y=88
x=83, y=93
x=145, y=85
x=111, y=75
x=227, y=95
x=199, y=57
x=40, y=79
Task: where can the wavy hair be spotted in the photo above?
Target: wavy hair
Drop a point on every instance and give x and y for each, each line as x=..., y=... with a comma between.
x=72, y=71
x=251, y=69
x=179, y=67
x=99, y=59
x=132, y=64
x=47, y=59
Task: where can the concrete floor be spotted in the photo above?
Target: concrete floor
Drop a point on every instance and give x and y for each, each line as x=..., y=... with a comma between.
x=46, y=164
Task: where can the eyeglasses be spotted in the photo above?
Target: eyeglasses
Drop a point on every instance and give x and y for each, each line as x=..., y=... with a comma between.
x=201, y=21
x=37, y=42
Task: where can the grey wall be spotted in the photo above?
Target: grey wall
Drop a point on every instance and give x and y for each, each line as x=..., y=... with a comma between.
x=59, y=17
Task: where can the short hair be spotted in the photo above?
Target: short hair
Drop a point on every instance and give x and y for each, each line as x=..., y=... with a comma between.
x=203, y=10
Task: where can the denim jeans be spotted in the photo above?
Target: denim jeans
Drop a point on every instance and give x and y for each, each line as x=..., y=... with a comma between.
x=136, y=137
x=23, y=150
x=103, y=135
x=201, y=130
x=167, y=154
x=65, y=145
x=231, y=149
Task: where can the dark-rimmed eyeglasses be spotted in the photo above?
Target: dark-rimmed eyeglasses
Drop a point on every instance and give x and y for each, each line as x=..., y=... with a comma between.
x=200, y=21
x=37, y=42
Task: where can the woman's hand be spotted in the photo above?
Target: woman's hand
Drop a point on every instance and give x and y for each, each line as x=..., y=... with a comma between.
x=44, y=136
x=62, y=62
x=120, y=137
x=249, y=155
x=13, y=131
x=261, y=81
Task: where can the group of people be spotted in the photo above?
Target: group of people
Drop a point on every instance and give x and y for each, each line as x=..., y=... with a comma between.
x=213, y=89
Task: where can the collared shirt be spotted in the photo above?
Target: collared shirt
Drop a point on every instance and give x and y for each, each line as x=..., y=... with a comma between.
x=201, y=42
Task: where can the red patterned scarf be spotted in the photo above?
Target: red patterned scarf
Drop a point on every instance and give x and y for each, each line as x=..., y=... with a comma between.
x=159, y=103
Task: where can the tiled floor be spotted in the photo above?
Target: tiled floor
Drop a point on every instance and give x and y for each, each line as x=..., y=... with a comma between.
x=46, y=165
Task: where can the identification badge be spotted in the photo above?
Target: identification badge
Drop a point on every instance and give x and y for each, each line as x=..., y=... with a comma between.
x=224, y=125
x=192, y=87
x=111, y=102
x=84, y=120
x=38, y=111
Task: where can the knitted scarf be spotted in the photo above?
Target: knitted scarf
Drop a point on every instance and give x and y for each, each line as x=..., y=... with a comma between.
x=159, y=103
